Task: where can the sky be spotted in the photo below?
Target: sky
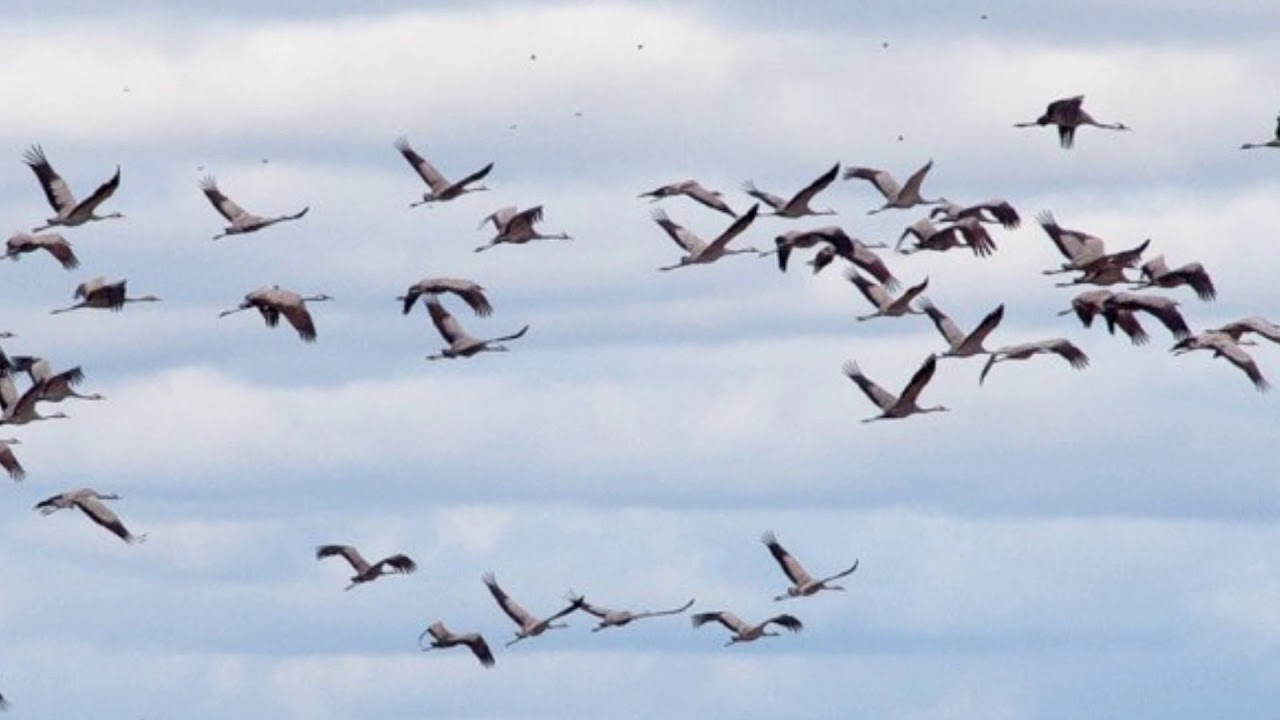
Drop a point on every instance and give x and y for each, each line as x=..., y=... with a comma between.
x=1060, y=544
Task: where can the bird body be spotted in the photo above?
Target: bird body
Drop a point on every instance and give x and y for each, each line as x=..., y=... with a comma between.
x=896, y=196
x=798, y=204
x=1068, y=114
x=742, y=632
x=98, y=293
x=274, y=301
x=462, y=344
x=528, y=625
x=241, y=221
x=440, y=188
x=618, y=618
x=894, y=407
x=802, y=583
x=69, y=212
x=962, y=345
x=90, y=502
x=366, y=572
x=52, y=243
x=692, y=189
x=1059, y=346
x=698, y=251
x=441, y=637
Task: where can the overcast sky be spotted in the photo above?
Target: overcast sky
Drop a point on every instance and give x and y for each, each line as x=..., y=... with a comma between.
x=1061, y=544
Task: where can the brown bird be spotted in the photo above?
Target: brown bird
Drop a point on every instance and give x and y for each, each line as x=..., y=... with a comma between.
x=966, y=232
x=442, y=638
x=69, y=212
x=901, y=406
x=1223, y=346
x=802, y=584
x=901, y=197
x=1156, y=273
x=515, y=227
x=440, y=188
x=54, y=244
x=839, y=244
x=20, y=410
x=962, y=345
x=743, y=632
x=692, y=189
x=1059, y=346
x=529, y=626
x=1162, y=308
x=878, y=295
x=241, y=221
x=399, y=563
x=1088, y=305
x=273, y=302
x=798, y=205
x=470, y=292
x=90, y=503
x=460, y=343
x=53, y=387
x=98, y=293
x=618, y=618
x=1068, y=115
x=990, y=211
x=699, y=252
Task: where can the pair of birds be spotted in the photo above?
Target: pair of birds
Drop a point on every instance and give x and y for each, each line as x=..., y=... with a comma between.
x=46, y=386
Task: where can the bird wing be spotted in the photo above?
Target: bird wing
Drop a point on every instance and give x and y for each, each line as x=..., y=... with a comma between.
x=446, y=324
x=710, y=198
x=735, y=229
x=429, y=174
x=593, y=609
x=1068, y=242
x=790, y=622
x=1165, y=310
x=874, y=293
x=681, y=236
x=1261, y=326
x=818, y=185
x=99, y=196
x=575, y=603
x=867, y=259
x=223, y=204
x=882, y=180
x=1128, y=323
x=513, y=610
x=976, y=236
x=500, y=217
x=792, y=567
x=987, y=325
x=479, y=648
x=916, y=179
x=55, y=188
x=724, y=617
x=59, y=248
x=10, y=462
x=773, y=201
x=655, y=613
x=8, y=394
x=1001, y=210
x=1067, y=350
x=400, y=563
x=353, y=556
x=52, y=504
x=1241, y=359
x=878, y=395
x=98, y=512
x=1278, y=128
x=523, y=221
x=473, y=177
x=950, y=332
x=1195, y=275
x=919, y=380
x=300, y=318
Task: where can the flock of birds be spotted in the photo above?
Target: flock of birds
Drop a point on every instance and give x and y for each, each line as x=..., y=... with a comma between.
x=948, y=226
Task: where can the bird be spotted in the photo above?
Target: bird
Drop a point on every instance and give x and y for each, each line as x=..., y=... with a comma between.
x=1087, y=253
x=52, y=243
x=241, y=221
x=1059, y=346
x=460, y=343
x=1162, y=308
x=878, y=295
x=530, y=626
x=441, y=189
x=743, y=632
x=802, y=584
x=903, y=405
x=91, y=503
x=515, y=227
x=965, y=232
x=1256, y=325
x=618, y=618
x=1224, y=346
x=10, y=461
x=699, y=252
x=1272, y=143
x=53, y=387
x=962, y=345
x=470, y=292
x=798, y=205
x=273, y=302
x=1068, y=115
x=69, y=212
x=840, y=244
x=989, y=211
x=398, y=563
x=441, y=637
x=98, y=293
x=20, y=410
x=694, y=190
x=902, y=197
x=1088, y=305
x=1156, y=273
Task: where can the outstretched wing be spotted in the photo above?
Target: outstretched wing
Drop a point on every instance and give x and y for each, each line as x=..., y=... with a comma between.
x=98, y=512
x=513, y=610
x=735, y=229
x=55, y=188
x=353, y=556
x=447, y=325
x=794, y=571
x=223, y=204
x=919, y=380
x=881, y=397
x=425, y=170
x=790, y=622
